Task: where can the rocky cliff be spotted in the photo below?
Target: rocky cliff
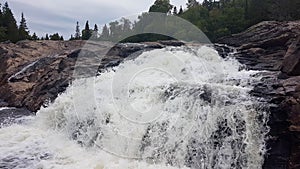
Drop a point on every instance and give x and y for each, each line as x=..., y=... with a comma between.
x=274, y=47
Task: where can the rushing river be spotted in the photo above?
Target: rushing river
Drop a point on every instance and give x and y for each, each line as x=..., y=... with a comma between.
x=176, y=107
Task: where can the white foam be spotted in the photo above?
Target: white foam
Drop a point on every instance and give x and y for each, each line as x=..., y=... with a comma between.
x=152, y=112
x=33, y=148
x=6, y=108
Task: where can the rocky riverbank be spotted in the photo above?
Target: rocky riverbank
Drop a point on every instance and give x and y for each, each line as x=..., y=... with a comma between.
x=275, y=47
x=34, y=72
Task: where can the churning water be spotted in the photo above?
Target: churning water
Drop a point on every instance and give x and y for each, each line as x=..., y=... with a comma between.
x=176, y=107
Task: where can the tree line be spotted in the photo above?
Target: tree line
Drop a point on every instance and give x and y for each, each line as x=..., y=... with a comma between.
x=109, y=32
x=225, y=17
x=8, y=26
x=10, y=31
x=215, y=18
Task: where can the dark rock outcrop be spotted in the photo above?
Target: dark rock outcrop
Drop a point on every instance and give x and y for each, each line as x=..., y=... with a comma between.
x=263, y=46
x=274, y=46
x=291, y=62
x=32, y=73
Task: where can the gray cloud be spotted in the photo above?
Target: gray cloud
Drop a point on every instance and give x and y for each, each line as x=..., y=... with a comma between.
x=50, y=16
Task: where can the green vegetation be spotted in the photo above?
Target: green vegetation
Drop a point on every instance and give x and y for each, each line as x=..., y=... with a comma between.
x=56, y=36
x=8, y=25
x=23, y=29
x=34, y=37
x=162, y=6
x=225, y=17
x=10, y=31
x=87, y=32
x=216, y=18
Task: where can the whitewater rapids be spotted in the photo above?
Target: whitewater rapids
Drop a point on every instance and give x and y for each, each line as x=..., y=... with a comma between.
x=177, y=107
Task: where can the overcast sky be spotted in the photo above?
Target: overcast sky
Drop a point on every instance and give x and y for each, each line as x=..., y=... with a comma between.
x=51, y=16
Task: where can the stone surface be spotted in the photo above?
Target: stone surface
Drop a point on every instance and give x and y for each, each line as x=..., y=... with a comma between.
x=35, y=72
x=274, y=46
x=265, y=34
x=291, y=62
x=32, y=73
x=264, y=46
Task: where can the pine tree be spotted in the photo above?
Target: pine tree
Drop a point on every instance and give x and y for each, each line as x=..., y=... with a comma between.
x=126, y=25
x=47, y=37
x=175, y=10
x=162, y=6
x=2, y=28
x=23, y=29
x=115, y=30
x=34, y=37
x=95, y=33
x=180, y=11
x=61, y=38
x=10, y=24
x=55, y=36
x=71, y=38
x=77, y=33
x=1, y=15
x=86, y=33
x=96, y=28
x=105, y=33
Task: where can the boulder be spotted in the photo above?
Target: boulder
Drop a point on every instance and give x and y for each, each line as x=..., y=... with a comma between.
x=265, y=34
x=291, y=62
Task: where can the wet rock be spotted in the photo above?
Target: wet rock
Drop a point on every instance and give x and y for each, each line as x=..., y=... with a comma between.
x=206, y=95
x=127, y=49
x=265, y=34
x=291, y=63
x=38, y=71
x=33, y=73
x=3, y=103
x=171, y=43
x=274, y=46
x=10, y=114
x=264, y=46
x=223, y=50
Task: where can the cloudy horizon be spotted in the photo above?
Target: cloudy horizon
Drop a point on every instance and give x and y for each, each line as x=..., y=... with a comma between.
x=51, y=16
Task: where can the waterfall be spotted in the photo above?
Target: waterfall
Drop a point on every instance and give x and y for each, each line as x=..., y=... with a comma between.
x=176, y=107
